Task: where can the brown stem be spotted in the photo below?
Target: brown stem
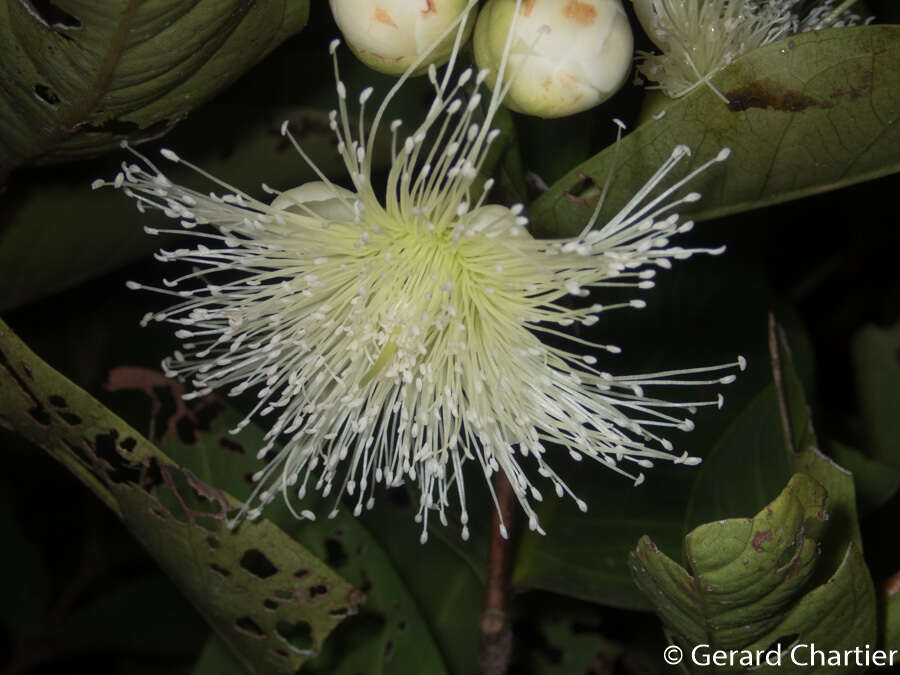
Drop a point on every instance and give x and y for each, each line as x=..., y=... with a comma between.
x=495, y=646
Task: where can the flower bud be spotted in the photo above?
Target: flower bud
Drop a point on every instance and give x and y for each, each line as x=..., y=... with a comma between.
x=566, y=56
x=392, y=35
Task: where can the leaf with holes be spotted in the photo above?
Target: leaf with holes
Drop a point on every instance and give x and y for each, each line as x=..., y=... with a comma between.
x=269, y=597
x=755, y=583
x=79, y=76
x=404, y=626
x=813, y=113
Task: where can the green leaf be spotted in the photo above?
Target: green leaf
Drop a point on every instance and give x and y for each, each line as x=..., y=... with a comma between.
x=79, y=76
x=746, y=468
x=800, y=443
x=876, y=357
x=750, y=584
x=260, y=590
x=403, y=625
x=813, y=113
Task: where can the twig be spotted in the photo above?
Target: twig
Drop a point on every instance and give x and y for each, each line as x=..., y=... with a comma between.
x=495, y=646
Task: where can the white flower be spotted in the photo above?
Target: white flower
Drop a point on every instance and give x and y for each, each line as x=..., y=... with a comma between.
x=700, y=37
x=394, y=35
x=395, y=335
x=566, y=56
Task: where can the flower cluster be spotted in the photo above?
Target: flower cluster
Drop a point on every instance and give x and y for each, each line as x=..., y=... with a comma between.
x=395, y=335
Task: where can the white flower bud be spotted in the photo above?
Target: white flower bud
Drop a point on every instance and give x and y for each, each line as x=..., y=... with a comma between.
x=392, y=35
x=567, y=55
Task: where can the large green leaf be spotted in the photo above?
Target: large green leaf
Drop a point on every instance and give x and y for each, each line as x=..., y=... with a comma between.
x=749, y=585
x=813, y=113
x=78, y=76
x=271, y=598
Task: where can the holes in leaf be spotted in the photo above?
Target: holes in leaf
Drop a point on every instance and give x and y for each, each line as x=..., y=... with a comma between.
x=231, y=446
x=298, y=635
x=280, y=653
x=62, y=410
x=389, y=650
x=69, y=418
x=152, y=477
x=335, y=555
x=221, y=571
x=120, y=470
x=249, y=627
x=339, y=612
x=317, y=590
x=39, y=415
x=213, y=543
x=128, y=444
x=52, y=15
x=256, y=562
x=299, y=574
x=270, y=604
x=284, y=595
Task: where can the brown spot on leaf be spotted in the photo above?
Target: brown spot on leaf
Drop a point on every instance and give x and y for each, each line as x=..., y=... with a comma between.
x=580, y=12
x=759, y=539
x=429, y=8
x=381, y=16
x=766, y=94
x=757, y=95
x=527, y=7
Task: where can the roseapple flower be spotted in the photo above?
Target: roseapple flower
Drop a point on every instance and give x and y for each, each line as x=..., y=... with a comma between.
x=394, y=334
